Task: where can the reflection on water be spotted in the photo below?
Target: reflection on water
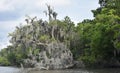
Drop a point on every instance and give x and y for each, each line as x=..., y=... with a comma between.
x=17, y=70
x=80, y=71
x=8, y=70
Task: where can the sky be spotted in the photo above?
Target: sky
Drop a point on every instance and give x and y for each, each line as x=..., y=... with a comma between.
x=13, y=12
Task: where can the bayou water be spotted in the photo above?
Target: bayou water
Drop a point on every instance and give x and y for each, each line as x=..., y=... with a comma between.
x=19, y=70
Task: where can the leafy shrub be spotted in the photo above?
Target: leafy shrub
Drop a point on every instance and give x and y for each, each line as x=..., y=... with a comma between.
x=4, y=61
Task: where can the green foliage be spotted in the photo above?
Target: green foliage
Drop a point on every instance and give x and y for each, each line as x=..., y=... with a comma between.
x=99, y=37
x=4, y=61
x=88, y=60
x=44, y=38
x=36, y=51
x=16, y=58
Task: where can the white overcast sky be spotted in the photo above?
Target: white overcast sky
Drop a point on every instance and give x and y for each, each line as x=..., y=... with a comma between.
x=12, y=12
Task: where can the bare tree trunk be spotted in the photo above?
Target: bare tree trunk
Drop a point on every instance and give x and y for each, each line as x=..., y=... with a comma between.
x=52, y=33
x=50, y=17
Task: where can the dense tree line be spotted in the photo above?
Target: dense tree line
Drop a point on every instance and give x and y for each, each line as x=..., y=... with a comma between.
x=95, y=42
x=30, y=39
x=99, y=38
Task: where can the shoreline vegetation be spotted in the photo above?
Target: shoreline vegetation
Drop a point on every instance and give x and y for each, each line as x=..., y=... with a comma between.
x=59, y=44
